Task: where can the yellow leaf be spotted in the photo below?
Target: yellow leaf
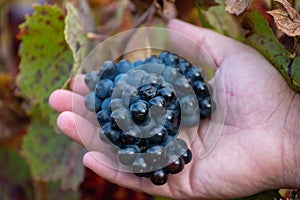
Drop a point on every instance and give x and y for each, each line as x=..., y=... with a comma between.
x=287, y=19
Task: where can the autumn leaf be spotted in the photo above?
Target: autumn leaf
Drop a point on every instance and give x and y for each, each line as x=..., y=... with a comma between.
x=46, y=59
x=236, y=6
x=221, y=21
x=46, y=62
x=52, y=157
x=167, y=8
x=262, y=38
x=287, y=19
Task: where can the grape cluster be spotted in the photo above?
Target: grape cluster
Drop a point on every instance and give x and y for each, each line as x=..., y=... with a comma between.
x=140, y=107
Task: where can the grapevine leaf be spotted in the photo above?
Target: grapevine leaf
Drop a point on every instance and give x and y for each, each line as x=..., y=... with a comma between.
x=221, y=21
x=78, y=23
x=287, y=19
x=46, y=59
x=294, y=72
x=236, y=6
x=52, y=157
x=262, y=38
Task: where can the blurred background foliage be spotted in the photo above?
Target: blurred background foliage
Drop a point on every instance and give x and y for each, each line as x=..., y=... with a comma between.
x=43, y=43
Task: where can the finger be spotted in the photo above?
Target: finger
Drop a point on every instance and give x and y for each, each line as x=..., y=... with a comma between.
x=101, y=164
x=78, y=85
x=65, y=100
x=198, y=41
x=79, y=129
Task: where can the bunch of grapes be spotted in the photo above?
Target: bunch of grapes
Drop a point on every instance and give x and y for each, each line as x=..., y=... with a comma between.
x=140, y=107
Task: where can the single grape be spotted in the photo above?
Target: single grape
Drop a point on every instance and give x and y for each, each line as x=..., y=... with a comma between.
x=157, y=135
x=103, y=117
x=147, y=91
x=159, y=177
x=194, y=74
x=139, y=111
x=106, y=104
x=91, y=80
x=182, y=87
x=187, y=156
x=168, y=94
x=108, y=70
x=107, y=132
x=200, y=88
x=157, y=106
x=103, y=88
x=189, y=105
x=183, y=66
x=170, y=74
x=90, y=101
x=138, y=63
x=205, y=105
x=176, y=165
x=120, y=119
x=124, y=66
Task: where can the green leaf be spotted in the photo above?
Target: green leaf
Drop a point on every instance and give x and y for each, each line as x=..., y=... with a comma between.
x=262, y=38
x=46, y=60
x=52, y=157
x=221, y=21
x=294, y=72
x=14, y=174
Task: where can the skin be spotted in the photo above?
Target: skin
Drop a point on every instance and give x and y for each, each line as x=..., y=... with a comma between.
x=259, y=145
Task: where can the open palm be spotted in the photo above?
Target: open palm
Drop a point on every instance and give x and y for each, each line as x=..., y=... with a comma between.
x=256, y=149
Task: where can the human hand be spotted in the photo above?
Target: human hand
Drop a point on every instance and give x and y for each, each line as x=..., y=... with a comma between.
x=259, y=145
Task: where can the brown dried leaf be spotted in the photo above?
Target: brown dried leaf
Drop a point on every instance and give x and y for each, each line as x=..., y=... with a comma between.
x=236, y=6
x=287, y=19
x=207, y=3
x=167, y=8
